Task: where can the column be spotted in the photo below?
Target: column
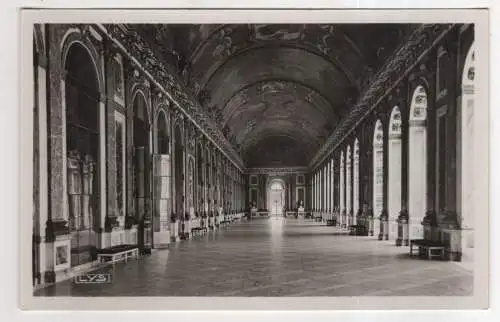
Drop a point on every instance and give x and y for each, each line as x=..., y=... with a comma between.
x=342, y=186
x=332, y=184
x=355, y=183
x=348, y=191
x=327, y=188
x=41, y=101
x=314, y=192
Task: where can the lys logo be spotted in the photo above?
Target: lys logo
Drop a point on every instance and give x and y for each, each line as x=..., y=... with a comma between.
x=93, y=279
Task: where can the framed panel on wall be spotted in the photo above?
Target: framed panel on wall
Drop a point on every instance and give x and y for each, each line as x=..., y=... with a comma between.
x=253, y=196
x=120, y=159
x=118, y=79
x=253, y=180
x=300, y=196
x=301, y=179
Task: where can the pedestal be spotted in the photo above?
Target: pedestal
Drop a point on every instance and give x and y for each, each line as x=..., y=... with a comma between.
x=195, y=223
x=384, y=227
x=161, y=239
x=174, y=231
x=117, y=236
x=60, y=256
x=403, y=239
x=370, y=221
x=451, y=237
x=131, y=235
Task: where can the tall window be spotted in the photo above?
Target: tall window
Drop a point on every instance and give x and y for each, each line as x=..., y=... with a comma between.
x=179, y=170
x=417, y=181
x=467, y=155
x=162, y=134
x=378, y=173
x=394, y=174
x=348, y=181
x=82, y=139
x=342, y=182
x=355, y=180
x=190, y=203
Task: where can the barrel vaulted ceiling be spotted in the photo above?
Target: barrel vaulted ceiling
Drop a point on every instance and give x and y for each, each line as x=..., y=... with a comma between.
x=276, y=91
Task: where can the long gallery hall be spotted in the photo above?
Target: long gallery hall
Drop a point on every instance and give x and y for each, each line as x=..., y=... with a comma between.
x=253, y=159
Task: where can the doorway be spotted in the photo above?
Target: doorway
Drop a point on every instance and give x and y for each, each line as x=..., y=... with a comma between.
x=276, y=198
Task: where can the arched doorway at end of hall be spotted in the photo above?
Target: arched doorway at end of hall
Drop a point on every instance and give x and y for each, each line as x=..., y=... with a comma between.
x=276, y=197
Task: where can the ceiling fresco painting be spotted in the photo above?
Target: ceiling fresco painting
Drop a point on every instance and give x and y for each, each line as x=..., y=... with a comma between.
x=277, y=92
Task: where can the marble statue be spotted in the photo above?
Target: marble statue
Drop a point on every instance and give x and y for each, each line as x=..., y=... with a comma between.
x=74, y=188
x=88, y=191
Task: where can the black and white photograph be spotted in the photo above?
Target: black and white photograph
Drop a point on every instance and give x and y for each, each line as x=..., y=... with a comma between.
x=329, y=156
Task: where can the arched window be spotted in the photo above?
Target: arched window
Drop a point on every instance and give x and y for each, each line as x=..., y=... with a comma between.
x=378, y=175
x=355, y=180
x=467, y=154
x=467, y=157
x=199, y=169
x=190, y=196
x=394, y=171
x=36, y=156
x=208, y=197
x=179, y=170
x=162, y=134
x=417, y=174
x=276, y=197
x=141, y=135
x=82, y=143
x=141, y=131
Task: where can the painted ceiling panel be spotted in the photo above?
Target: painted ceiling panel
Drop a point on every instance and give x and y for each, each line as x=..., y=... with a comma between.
x=276, y=91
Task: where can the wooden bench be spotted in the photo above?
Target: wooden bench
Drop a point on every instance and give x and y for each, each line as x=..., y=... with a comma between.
x=357, y=230
x=427, y=247
x=331, y=222
x=199, y=230
x=117, y=253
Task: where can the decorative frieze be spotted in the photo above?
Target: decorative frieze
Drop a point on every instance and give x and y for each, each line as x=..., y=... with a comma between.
x=277, y=171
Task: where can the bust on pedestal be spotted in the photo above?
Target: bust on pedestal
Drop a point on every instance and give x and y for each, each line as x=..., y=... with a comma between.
x=301, y=206
x=253, y=209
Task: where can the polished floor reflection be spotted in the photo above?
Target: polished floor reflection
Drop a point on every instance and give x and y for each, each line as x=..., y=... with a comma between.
x=277, y=257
